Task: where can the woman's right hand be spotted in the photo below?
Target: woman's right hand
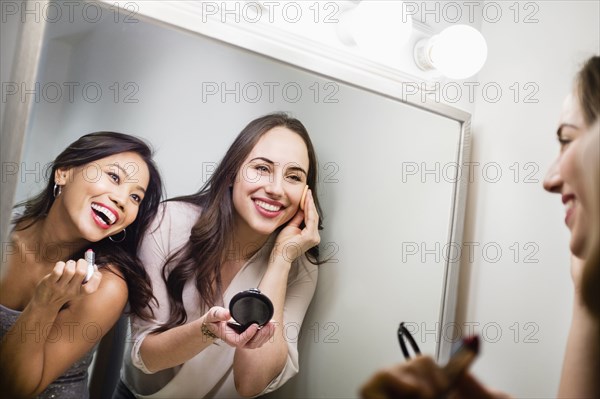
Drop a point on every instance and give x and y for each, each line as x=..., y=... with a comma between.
x=422, y=378
x=418, y=378
x=64, y=283
x=292, y=241
x=254, y=337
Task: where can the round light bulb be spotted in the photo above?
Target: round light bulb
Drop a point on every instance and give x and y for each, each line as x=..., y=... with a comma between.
x=458, y=52
x=378, y=28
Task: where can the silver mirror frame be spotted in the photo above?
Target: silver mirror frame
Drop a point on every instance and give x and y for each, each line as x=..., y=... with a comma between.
x=290, y=49
x=17, y=111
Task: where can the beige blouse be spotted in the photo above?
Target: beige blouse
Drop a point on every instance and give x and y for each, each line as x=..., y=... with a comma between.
x=209, y=374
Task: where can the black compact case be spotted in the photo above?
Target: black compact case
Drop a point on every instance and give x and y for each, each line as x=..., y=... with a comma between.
x=249, y=307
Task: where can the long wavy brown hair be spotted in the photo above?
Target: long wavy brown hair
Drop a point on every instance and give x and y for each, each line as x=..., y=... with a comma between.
x=591, y=271
x=588, y=93
x=212, y=234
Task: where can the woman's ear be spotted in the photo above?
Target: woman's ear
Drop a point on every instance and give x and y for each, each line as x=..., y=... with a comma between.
x=61, y=176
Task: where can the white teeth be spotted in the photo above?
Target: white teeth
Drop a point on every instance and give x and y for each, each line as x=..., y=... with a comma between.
x=569, y=205
x=106, y=212
x=268, y=207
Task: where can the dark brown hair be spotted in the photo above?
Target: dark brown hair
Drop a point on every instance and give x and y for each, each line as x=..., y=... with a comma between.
x=211, y=235
x=85, y=150
x=590, y=283
x=588, y=90
x=588, y=94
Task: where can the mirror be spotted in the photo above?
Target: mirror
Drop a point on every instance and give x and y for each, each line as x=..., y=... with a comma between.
x=392, y=194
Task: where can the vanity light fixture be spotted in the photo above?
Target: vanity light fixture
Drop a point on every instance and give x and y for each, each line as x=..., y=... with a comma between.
x=376, y=27
x=457, y=52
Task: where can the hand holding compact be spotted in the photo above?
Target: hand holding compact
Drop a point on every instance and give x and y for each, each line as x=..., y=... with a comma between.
x=217, y=324
x=250, y=307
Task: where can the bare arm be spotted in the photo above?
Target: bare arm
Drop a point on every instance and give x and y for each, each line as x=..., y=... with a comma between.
x=45, y=340
x=249, y=379
x=174, y=346
x=272, y=355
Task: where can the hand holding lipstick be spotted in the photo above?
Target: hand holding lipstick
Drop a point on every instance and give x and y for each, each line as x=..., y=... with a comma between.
x=67, y=281
x=90, y=258
x=421, y=377
x=462, y=358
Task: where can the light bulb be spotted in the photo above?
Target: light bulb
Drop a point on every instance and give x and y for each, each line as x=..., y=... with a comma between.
x=378, y=28
x=458, y=52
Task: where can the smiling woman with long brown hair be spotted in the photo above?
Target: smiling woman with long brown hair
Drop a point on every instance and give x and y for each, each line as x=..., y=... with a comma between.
x=244, y=229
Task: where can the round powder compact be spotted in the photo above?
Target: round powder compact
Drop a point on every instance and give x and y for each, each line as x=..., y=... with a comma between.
x=249, y=307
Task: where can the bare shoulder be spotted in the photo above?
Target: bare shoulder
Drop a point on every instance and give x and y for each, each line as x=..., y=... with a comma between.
x=107, y=303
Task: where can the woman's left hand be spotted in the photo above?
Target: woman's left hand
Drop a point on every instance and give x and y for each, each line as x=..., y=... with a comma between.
x=253, y=337
x=292, y=241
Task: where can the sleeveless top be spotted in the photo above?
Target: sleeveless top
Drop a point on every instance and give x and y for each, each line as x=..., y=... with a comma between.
x=73, y=383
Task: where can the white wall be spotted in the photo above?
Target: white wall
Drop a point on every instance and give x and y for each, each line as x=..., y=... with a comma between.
x=9, y=34
x=527, y=303
x=506, y=295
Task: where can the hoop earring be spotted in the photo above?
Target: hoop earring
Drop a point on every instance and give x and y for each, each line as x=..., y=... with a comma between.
x=116, y=240
x=56, y=186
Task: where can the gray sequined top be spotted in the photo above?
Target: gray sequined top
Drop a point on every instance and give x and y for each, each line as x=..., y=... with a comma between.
x=73, y=383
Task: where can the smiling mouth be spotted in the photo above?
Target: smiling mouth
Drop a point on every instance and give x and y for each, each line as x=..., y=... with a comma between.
x=569, y=209
x=105, y=214
x=569, y=205
x=267, y=207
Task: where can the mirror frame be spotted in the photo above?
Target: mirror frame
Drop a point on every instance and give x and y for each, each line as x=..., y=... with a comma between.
x=288, y=48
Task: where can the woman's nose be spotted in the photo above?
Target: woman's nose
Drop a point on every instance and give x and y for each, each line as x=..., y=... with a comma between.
x=117, y=199
x=275, y=186
x=553, y=180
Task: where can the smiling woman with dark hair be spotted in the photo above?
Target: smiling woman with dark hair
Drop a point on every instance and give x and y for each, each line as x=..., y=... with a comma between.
x=244, y=229
x=103, y=191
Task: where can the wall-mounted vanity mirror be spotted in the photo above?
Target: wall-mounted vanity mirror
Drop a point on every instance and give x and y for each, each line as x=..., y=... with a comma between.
x=388, y=171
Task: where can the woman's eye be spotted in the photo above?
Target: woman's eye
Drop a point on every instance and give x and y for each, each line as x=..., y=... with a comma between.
x=136, y=198
x=564, y=143
x=295, y=178
x=262, y=168
x=114, y=177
